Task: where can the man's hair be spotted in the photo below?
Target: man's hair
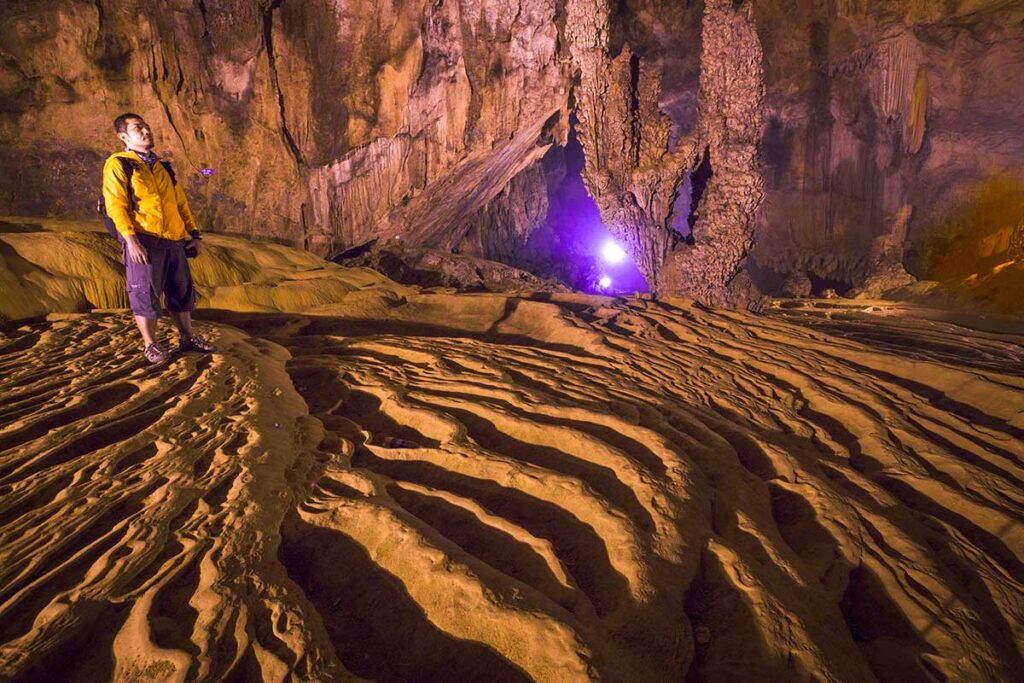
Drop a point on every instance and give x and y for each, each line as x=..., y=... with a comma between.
x=121, y=122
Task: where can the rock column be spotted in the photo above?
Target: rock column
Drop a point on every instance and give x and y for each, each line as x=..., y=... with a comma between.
x=634, y=176
x=729, y=130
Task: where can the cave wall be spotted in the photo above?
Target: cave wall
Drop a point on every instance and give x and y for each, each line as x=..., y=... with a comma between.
x=838, y=132
x=327, y=123
x=879, y=116
x=198, y=73
x=875, y=120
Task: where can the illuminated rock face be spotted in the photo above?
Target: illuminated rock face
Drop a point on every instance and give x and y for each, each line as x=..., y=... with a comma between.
x=326, y=123
x=829, y=142
x=820, y=142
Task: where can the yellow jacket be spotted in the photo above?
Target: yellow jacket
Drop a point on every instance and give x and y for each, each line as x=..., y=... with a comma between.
x=161, y=207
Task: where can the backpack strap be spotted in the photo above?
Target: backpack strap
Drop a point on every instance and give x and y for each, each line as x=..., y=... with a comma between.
x=129, y=170
x=101, y=206
x=170, y=172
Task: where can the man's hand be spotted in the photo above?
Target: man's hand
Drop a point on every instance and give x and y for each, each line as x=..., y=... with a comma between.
x=192, y=247
x=136, y=252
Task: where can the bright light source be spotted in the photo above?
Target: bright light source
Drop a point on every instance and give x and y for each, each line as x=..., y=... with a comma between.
x=605, y=282
x=612, y=252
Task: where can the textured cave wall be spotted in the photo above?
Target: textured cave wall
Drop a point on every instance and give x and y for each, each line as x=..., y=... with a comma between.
x=636, y=166
x=822, y=141
x=879, y=117
x=459, y=99
x=327, y=123
x=833, y=166
x=730, y=111
x=201, y=78
x=625, y=137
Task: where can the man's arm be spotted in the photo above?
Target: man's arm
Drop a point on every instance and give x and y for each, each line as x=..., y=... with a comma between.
x=184, y=210
x=115, y=197
x=118, y=207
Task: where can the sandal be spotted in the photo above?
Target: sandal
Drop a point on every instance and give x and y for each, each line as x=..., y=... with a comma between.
x=155, y=354
x=196, y=343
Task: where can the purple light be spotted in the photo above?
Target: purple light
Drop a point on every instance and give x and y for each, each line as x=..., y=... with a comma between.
x=612, y=252
x=575, y=236
x=605, y=282
x=206, y=172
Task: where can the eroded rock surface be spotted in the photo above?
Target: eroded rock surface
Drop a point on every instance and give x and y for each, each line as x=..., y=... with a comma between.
x=438, y=268
x=502, y=488
x=325, y=123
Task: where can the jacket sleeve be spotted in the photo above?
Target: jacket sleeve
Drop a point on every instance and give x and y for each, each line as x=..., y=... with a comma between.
x=183, y=209
x=115, y=196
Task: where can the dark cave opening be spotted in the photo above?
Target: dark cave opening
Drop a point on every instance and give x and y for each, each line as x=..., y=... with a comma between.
x=820, y=285
x=680, y=216
x=699, y=180
x=574, y=244
x=688, y=196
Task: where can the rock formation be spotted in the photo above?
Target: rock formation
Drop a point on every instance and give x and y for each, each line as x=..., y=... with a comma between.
x=873, y=109
x=633, y=175
x=729, y=131
x=727, y=144
x=326, y=123
x=440, y=268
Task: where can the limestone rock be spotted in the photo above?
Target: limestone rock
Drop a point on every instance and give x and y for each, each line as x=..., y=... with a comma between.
x=717, y=135
x=797, y=284
x=440, y=268
x=320, y=119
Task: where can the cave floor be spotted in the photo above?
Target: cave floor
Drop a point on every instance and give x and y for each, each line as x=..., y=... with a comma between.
x=503, y=488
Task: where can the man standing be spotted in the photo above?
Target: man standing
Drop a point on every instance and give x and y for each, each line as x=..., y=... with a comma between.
x=150, y=212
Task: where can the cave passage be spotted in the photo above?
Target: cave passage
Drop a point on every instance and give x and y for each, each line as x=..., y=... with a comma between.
x=590, y=257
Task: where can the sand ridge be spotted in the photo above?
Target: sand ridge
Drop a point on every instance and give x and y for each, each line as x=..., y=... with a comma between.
x=408, y=486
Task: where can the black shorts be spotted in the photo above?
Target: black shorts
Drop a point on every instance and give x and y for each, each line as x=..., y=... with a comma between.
x=167, y=273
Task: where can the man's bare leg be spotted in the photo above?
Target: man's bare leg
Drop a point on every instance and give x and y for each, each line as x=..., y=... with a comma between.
x=147, y=326
x=183, y=321
x=189, y=340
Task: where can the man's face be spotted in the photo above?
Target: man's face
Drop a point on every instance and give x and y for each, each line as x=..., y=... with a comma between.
x=137, y=135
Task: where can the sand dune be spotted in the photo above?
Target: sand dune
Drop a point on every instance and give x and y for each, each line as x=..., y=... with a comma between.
x=404, y=486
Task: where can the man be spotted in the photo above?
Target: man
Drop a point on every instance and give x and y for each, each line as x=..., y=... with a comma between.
x=150, y=212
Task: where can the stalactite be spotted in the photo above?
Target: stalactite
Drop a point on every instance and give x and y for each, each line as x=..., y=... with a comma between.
x=916, y=116
x=901, y=89
x=629, y=168
x=897, y=62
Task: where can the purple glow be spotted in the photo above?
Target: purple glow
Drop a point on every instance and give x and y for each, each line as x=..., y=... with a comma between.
x=605, y=282
x=206, y=172
x=612, y=252
x=573, y=240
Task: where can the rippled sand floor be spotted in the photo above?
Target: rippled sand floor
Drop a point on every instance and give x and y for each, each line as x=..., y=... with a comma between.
x=490, y=488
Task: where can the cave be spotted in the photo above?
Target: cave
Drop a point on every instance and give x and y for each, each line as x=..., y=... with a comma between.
x=573, y=243
x=548, y=340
